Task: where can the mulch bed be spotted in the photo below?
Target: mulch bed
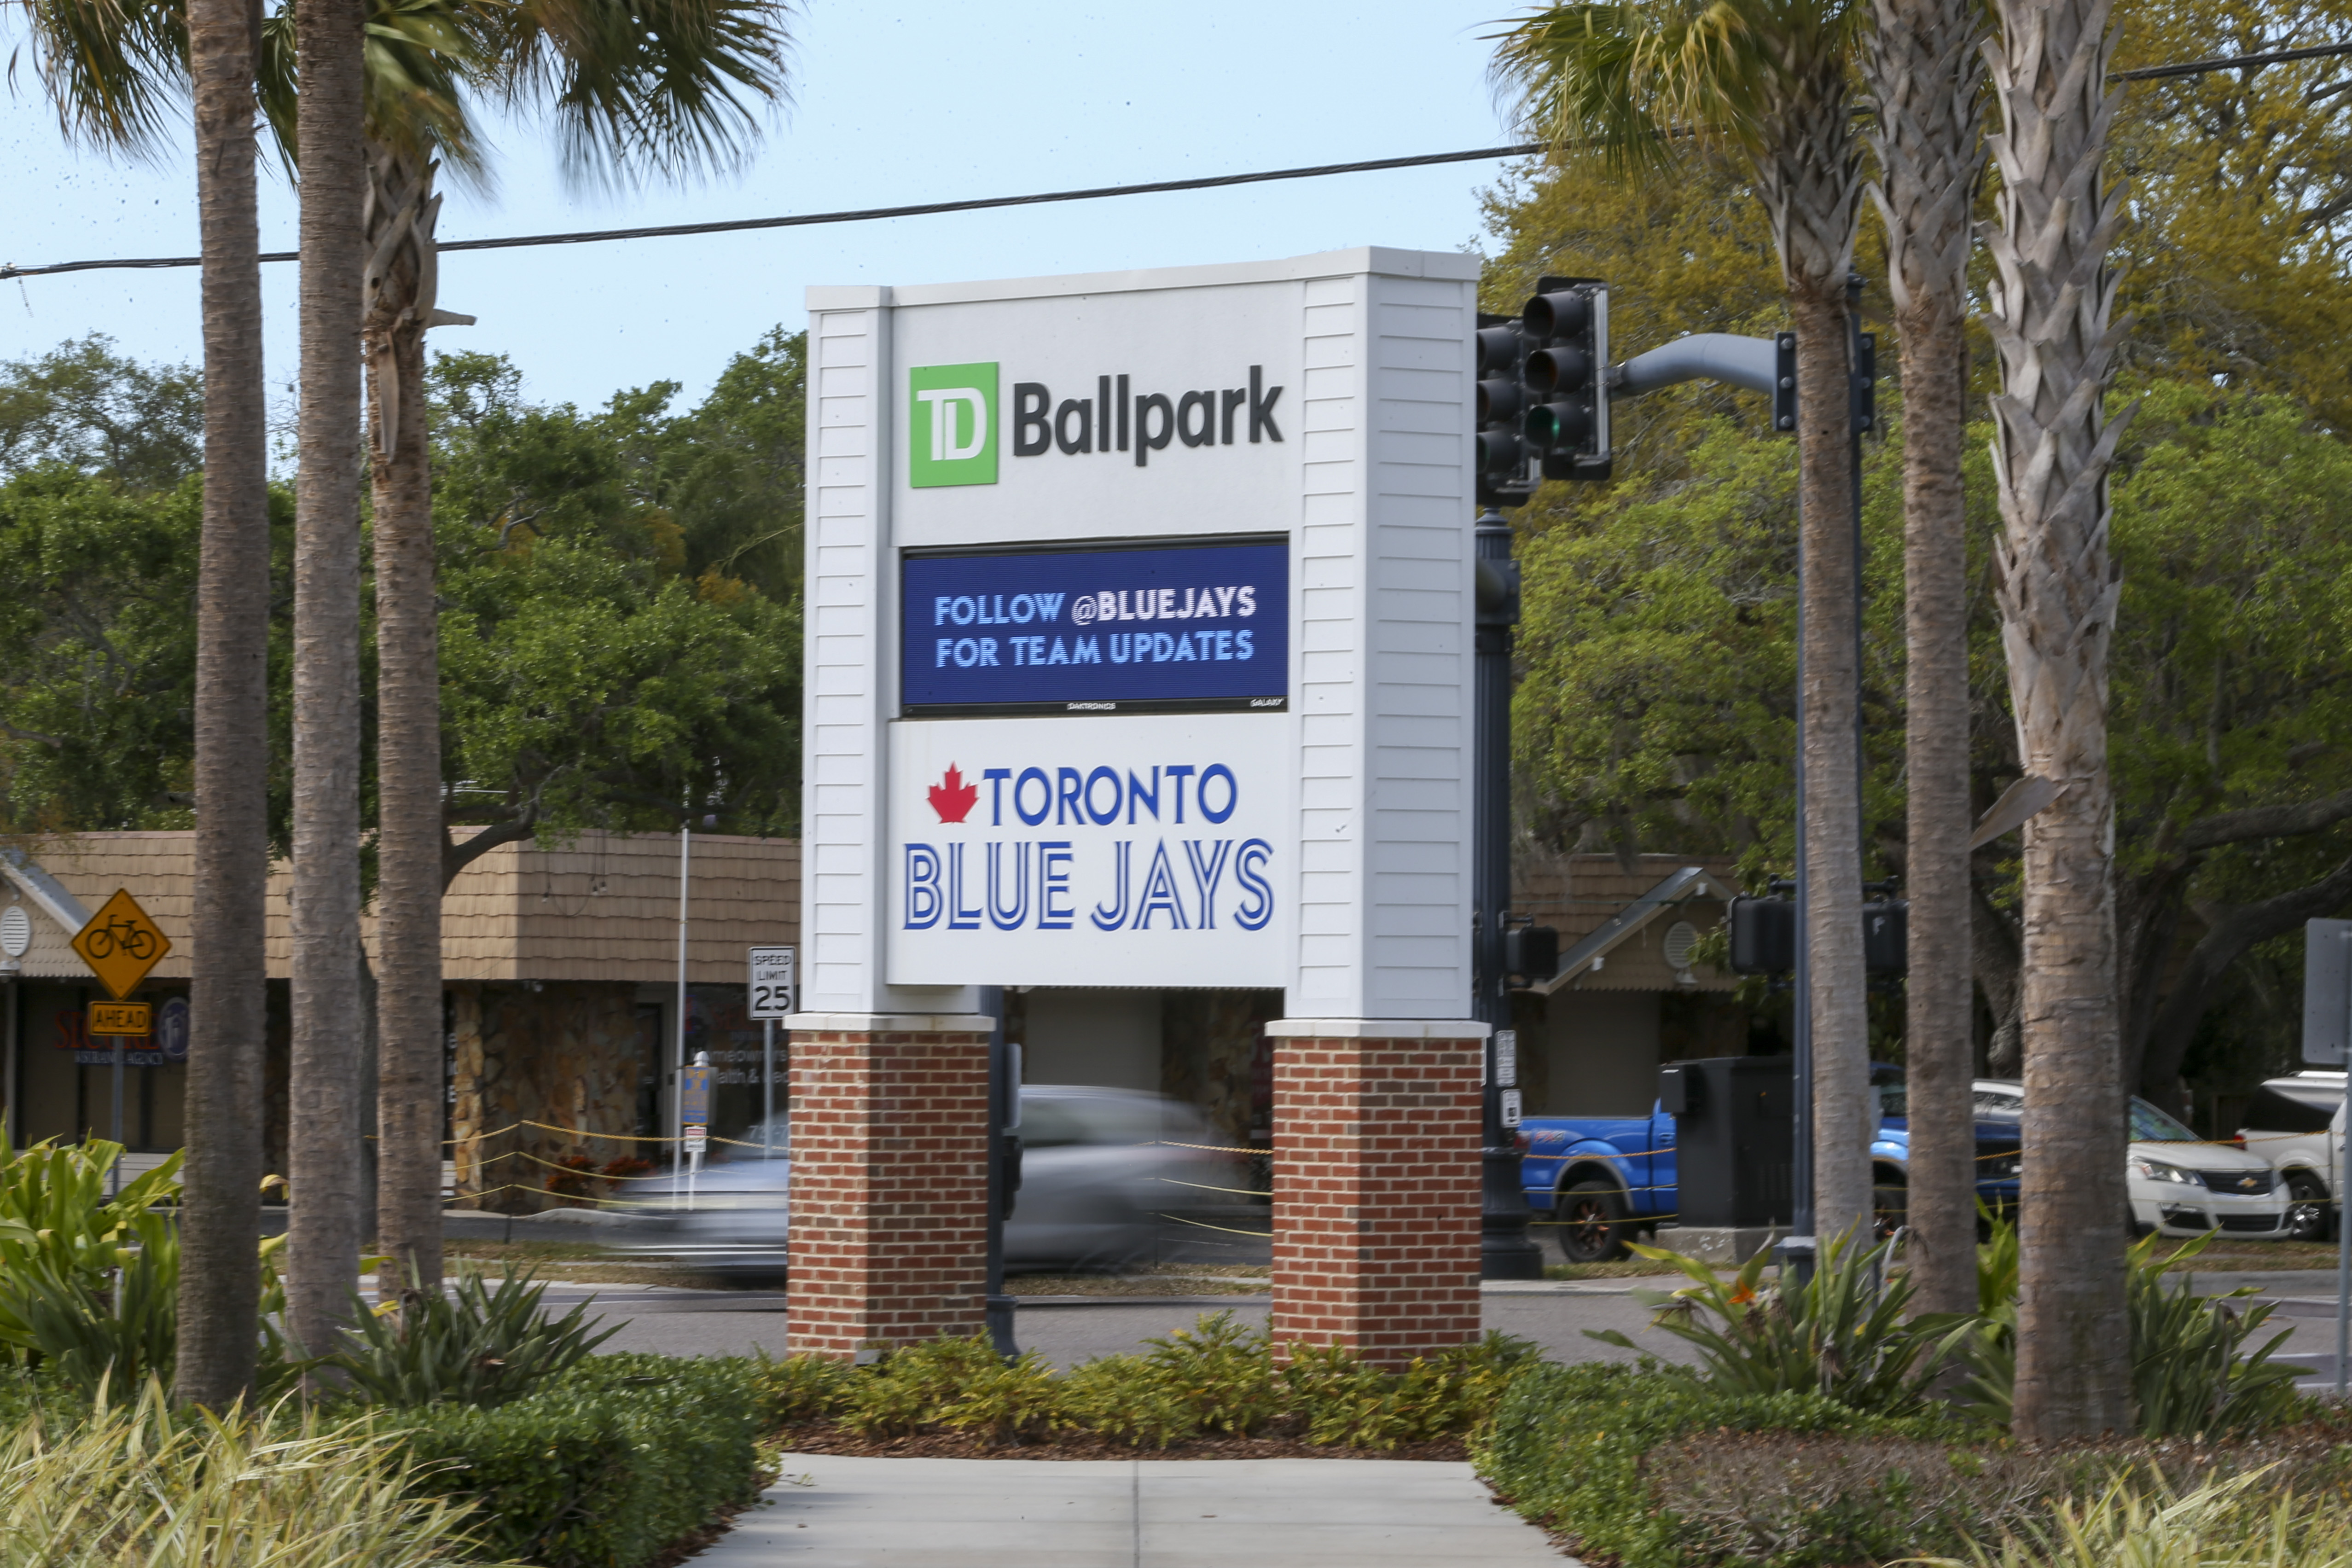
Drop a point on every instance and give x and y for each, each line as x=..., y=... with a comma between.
x=828, y=1438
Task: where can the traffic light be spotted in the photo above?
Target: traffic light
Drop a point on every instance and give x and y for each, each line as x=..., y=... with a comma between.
x=1506, y=477
x=1567, y=377
x=1885, y=936
x=1763, y=935
x=1531, y=951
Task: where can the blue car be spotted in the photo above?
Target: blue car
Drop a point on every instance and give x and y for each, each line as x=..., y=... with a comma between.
x=1604, y=1179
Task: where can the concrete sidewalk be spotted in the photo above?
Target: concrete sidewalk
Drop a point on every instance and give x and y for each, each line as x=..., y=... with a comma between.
x=1126, y=1513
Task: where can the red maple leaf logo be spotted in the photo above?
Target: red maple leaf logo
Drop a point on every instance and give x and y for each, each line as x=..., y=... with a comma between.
x=951, y=797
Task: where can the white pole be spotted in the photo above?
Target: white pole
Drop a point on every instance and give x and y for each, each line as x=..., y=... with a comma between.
x=2344, y=1229
x=768, y=1088
x=678, y=1066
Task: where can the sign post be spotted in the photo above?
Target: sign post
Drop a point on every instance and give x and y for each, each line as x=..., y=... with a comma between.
x=121, y=944
x=694, y=1111
x=772, y=999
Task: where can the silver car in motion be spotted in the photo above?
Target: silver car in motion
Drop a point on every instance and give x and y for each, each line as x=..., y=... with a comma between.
x=1102, y=1169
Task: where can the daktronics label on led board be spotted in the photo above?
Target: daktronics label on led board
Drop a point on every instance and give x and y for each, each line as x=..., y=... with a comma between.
x=1172, y=628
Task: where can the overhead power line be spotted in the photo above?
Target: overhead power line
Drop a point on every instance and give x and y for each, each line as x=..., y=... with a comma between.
x=859, y=215
x=1096, y=193
x=2230, y=63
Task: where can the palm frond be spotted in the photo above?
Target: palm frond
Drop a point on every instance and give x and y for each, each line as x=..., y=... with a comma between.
x=421, y=55
x=112, y=67
x=1630, y=79
x=659, y=89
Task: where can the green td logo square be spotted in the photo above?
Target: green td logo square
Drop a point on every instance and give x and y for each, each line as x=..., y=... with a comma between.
x=951, y=433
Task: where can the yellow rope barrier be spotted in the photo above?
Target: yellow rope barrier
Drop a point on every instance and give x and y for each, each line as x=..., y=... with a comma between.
x=1229, y=1230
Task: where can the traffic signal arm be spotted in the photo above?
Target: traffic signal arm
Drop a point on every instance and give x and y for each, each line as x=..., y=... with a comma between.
x=1735, y=361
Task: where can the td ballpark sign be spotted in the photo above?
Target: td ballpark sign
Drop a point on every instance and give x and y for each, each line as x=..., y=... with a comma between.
x=955, y=419
x=1090, y=768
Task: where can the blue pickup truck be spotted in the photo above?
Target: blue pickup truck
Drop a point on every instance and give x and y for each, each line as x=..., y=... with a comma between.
x=1602, y=1179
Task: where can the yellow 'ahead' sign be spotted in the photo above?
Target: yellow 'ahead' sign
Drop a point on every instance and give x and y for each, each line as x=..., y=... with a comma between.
x=121, y=944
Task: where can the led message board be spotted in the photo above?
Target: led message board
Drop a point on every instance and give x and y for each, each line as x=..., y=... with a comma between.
x=1198, y=628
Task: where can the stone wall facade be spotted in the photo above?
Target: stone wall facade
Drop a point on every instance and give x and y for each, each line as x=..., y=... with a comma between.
x=1376, y=1184
x=573, y=1057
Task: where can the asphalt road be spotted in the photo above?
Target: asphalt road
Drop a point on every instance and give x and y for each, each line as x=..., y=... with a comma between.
x=1554, y=1314
x=736, y=1322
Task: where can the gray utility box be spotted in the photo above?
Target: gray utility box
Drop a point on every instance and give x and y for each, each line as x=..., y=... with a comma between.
x=1733, y=1139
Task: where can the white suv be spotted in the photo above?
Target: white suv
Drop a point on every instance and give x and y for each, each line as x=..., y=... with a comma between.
x=2295, y=1123
x=2180, y=1184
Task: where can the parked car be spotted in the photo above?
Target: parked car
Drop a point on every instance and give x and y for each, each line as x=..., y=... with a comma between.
x=2297, y=1124
x=1098, y=1169
x=2179, y=1184
x=1602, y=1179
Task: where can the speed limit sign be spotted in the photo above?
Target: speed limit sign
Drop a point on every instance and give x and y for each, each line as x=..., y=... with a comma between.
x=772, y=983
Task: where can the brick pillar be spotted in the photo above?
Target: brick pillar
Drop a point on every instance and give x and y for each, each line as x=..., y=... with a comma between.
x=889, y=1116
x=1376, y=1189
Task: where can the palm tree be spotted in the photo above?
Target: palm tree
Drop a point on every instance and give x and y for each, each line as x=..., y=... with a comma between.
x=1769, y=81
x=1925, y=71
x=109, y=66
x=323, y=1226
x=2052, y=304
x=661, y=88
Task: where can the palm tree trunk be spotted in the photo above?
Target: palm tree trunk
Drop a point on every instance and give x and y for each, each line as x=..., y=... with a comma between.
x=1928, y=75
x=220, y=1282
x=399, y=306
x=324, y=1227
x=2052, y=301
x=1810, y=176
x=1845, y=1114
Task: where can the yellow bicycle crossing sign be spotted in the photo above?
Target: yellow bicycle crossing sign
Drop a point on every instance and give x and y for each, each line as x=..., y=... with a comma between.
x=121, y=944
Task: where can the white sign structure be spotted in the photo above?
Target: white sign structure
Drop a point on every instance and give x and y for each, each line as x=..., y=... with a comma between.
x=1139, y=647
x=770, y=983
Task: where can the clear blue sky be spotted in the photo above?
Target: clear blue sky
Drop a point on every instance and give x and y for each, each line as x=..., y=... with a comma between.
x=894, y=104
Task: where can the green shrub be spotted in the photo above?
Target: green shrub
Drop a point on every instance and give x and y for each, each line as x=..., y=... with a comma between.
x=1661, y=1471
x=799, y=1388
x=1218, y=1378
x=1568, y=1448
x=1843, y=1334
x=470, y=1345
x=601, y=1467
x=1343, y=1401
x=962, y=1385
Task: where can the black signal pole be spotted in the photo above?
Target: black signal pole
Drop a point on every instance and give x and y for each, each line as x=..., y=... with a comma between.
x=1504, y=1250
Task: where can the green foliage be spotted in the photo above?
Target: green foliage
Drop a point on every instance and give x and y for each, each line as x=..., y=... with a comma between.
x=959, y=1385
x=1343, y=1401
x=84, y=408
x=1570, y=1447
x=2191, y=1370
x=2225, y=1522
x=130, y=1486
x=602, y=1467
x=601, y=661
x=468, y=1345
x=87, y=1284
x=800, y=1388
x=1841, y=1335
x=1216, y=1377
